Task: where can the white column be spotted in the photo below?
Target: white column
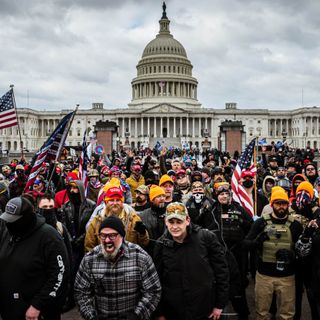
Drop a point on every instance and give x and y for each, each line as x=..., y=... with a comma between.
x=187, y=126
x=173, y=89
x=136, y=127
x=193, y=127
x=168, y=127
x=180, y=126
x=129, y=126
x=142, y=133
x=157, y=88
x=174, y=127
x=199, y=127
x=206, y=123
x=155, y=127
x=161, y=127
x=148, y=133
x=123, y=127
x=212, y=128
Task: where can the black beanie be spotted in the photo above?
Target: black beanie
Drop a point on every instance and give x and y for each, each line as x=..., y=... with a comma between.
x=115, y=223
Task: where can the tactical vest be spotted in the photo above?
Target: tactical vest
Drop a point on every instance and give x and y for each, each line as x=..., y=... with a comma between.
x=231, y=226
x=304, y=221
x=280, y=238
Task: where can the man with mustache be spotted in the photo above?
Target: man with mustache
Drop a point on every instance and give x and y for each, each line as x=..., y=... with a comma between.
x=274, y=236
x=117, y=279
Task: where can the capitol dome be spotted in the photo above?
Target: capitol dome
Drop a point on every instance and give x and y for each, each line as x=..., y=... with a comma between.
x=164, y=73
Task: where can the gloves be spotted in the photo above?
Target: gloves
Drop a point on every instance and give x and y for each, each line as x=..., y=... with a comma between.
x=140, y=228
x=287, y=256
x=261, y=237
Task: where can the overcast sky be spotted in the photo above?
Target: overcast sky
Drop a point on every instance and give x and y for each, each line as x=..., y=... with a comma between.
x=258, y=53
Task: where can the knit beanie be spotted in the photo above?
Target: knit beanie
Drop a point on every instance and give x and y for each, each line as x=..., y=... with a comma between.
x=114, y=223
x=155, y=191
x=306, y=186
x=165, y=178
x=278, y=194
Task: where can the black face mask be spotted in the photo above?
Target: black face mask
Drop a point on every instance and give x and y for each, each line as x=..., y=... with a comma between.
x=75, y=198
x=247, y=183
x=50, y=215
x=22, y=226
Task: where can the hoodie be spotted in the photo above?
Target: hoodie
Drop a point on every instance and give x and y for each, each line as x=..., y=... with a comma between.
x=293, y=189
x=264, y=190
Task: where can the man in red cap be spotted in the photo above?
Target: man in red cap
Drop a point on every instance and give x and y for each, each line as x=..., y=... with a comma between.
x=136, y=232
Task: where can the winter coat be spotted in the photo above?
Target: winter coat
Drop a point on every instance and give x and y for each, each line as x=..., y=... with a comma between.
x=134, y=184
x=194, y=275
x=34, y=270
x=129, y=218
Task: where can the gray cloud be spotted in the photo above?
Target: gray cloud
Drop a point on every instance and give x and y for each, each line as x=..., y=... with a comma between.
x=260, y=54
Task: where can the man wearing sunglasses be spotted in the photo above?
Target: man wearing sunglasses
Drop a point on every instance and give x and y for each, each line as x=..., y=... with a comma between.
x=117, y=279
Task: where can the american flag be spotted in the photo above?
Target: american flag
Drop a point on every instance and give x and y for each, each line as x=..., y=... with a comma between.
x=83, y=162
x=50, y=147
x=239, y=193
x=8, y=115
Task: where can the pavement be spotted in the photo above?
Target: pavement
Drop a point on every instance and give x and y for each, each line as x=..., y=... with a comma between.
x=306, y=315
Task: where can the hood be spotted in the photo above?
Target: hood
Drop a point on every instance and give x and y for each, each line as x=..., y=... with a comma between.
x=293, y=189
x=264, y=184
x=80, y=185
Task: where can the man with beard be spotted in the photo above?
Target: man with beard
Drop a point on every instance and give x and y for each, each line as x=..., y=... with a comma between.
x=17, y=185
x=142, y=199
x=117, y=280
x=310, y=171
x=114, y=205
x=274, y=236
x=153, y=218
x=33, y=265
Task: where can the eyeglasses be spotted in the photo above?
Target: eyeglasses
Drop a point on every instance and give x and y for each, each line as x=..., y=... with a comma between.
x=111, y=236
x=311, y=169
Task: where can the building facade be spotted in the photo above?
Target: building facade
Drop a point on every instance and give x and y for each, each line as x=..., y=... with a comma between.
x=165, y=108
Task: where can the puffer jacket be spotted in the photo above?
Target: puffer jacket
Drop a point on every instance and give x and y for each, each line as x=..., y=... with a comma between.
x=134, y=184
x=194, y=275
x=129, y=218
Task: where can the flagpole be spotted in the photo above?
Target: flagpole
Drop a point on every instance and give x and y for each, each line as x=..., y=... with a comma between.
x=63, y=139
x=18, y=123
x=255, y=153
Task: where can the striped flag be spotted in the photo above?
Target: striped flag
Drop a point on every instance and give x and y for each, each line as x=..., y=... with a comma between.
x=244, y=163
x=83, y=163
x=50, y=148
x=8, y=114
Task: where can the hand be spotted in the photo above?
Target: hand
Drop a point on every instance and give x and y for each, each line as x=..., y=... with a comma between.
x=313, y=224
x=261, y=238
x=163, y=151
x=32, y=313
x=140, y=228
x=287, y=256
x=215, y=314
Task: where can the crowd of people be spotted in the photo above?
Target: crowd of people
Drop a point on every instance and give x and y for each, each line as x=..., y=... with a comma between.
x=156, y=234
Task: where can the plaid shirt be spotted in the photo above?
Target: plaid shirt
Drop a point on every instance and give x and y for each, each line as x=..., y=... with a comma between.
x=111, y=290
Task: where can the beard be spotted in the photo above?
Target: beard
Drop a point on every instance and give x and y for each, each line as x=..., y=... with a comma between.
x=140, y=200
x=110, y=256
x=281, y=213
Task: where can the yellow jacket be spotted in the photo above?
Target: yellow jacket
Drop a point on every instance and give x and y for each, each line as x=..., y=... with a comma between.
x=134, y=184
x=129, y=218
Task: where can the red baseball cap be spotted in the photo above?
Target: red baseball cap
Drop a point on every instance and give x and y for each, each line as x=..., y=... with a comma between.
x=247, y=173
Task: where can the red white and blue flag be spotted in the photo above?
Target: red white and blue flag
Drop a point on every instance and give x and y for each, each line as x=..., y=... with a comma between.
x=239, y=193
x=8, y=114
x=50, y=148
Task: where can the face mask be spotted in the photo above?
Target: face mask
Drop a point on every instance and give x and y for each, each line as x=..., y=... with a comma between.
x=198, y=197
x=247, y=183
x=49, y=215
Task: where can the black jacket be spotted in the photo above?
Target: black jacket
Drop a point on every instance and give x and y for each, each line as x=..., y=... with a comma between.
x=194, y=275
x=34, y=271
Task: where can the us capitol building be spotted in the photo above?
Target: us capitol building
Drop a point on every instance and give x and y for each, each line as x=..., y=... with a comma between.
x=165, y=108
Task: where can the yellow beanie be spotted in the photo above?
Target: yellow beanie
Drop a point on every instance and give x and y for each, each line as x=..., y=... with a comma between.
x=114, y=182
x=165, y=178
x=306, y=186
x=155, y=191
x=279, y=194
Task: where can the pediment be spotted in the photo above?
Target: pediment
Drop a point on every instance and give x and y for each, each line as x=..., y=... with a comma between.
x=165, y=108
